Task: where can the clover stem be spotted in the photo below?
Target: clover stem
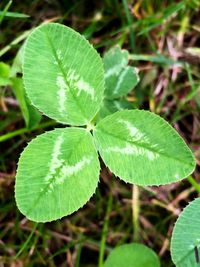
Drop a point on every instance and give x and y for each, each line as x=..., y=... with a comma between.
x=25, y=130
x=135, y=212
x=26, y=242
x=105, y=231
x=90, y=127
x=193, y=182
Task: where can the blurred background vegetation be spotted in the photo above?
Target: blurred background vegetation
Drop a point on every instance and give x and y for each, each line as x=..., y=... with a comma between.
x=163, y=38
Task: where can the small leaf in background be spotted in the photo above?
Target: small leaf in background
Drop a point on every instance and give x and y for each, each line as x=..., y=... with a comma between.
x=142, y=148
x=17, y=63
x=111, y=106
x=119, y=77
x=132, y=255
x=31, y=115
x=185, y=243
x=63, y=74
x=4, y=74
x=58, y=172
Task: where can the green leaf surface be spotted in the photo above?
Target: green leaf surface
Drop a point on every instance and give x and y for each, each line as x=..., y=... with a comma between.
x=31, y=115
x=63, y=74
x=17, y=63
x=120, y=79
x=142, y=148
x=57, y=174
x=111, y=106
x=14, y=15
x=4, y=74
x=185, y=243
x=132, y=255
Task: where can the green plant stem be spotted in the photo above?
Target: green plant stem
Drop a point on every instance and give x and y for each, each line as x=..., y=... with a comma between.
x=79, y=250
x=15, y=42
x=105, y=231
x=8, y=136
x=194, y=87
x=27, y=241
x=135, y=212
x=130, y=21
x=192, y=181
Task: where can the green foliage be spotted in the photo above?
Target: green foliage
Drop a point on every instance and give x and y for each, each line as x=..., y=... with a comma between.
x=31, y=116
x=133, y=145
x=111, y=106
x=4, y=74
x=120, y=79
x=69, y=84
x=185, y=243
x=66, y=166
x=58, y=171
x=132, y=255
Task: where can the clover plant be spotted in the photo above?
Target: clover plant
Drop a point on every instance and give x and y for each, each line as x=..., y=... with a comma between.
x=66, y=79
x=120, y=79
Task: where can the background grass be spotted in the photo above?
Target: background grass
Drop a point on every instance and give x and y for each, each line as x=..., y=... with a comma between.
x=162, y=37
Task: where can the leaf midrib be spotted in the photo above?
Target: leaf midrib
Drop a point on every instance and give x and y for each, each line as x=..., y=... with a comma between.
x=182, y=259
x=79, y=141
x=143, y=146
x=64, y=75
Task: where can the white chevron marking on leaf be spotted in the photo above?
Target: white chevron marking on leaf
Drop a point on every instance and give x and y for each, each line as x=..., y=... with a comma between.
x=134, y=132
x=60, y=82
x=137, y=135
x=55, y=163
x=70, y=170
x=63, y=171
x=59, y=56
x=74, y=82
x=136, y=71
x=133, y=150
x=115, y=70
x=79, y=84
x=120, y=80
